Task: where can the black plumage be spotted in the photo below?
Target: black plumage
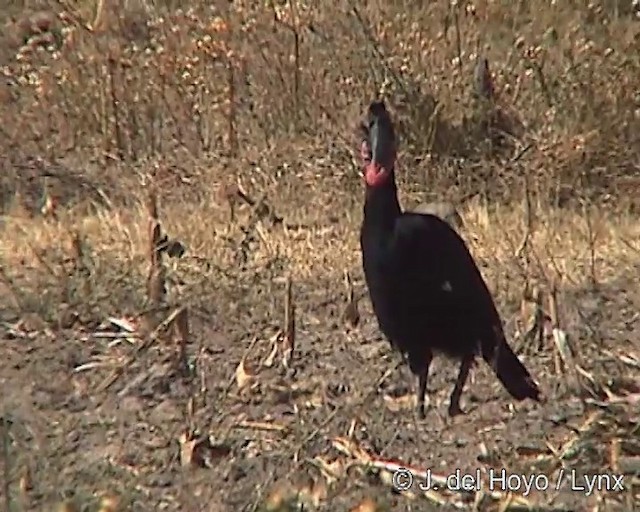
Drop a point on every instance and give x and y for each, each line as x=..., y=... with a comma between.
x=427, y=292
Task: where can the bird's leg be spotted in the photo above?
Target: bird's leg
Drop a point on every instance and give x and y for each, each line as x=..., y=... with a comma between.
x=454, y=401
x=422, y=383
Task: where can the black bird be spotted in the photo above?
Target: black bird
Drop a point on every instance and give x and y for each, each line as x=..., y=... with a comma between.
x=426, y=290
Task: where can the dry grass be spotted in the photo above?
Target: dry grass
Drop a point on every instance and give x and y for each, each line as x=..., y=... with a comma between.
x=234, y=118
x=560, y=245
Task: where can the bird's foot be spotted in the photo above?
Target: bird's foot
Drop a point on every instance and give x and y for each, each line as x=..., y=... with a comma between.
x=455, y=410
x=422, y=407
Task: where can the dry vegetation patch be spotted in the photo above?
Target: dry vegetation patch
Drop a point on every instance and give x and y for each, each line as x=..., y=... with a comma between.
x=183, y=316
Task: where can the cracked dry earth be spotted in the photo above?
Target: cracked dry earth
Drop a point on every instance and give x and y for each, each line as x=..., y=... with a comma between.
x=278, y=434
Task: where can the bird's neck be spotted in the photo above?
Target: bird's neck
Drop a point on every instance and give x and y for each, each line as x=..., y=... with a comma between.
x=381, y=206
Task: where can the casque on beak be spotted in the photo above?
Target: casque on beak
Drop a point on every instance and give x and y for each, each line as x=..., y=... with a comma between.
x=381, y=141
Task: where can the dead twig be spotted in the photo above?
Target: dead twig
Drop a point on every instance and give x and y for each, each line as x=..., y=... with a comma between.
x=539, y=320
x=591, y=240
x=351, y=315
x=143, y=347
x=6, y=443
x=564, y=355
x=456, y=22
x=289, y=339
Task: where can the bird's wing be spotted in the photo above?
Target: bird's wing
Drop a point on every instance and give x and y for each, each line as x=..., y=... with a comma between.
x=436, y=268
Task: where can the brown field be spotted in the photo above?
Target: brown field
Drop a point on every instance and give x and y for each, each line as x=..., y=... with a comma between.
x=239, y=119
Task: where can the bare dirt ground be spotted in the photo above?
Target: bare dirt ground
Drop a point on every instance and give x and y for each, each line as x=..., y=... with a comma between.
x=134, y=379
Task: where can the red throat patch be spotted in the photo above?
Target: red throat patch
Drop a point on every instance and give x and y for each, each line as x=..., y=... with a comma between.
x=375, y=175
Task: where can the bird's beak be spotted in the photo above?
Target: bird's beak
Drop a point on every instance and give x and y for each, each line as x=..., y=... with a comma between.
x=377, y=145
x=376, y=170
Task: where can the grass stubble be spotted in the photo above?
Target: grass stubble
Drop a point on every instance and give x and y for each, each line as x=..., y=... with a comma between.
x=194, y=177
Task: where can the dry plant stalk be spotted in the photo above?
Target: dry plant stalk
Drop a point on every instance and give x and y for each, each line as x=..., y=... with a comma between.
x=156, y=290
x=80, y=268
x=351, y=314
x=553, y=311
x=528, y=220
x=5, y=424
x=539, y=318
x=539, y=75
x=566, y=360
x=614, y=454
x=294, y=29
x=156, y=286
x=113, y=96
x=181, y=334
x=143, y=347
x=230, y=68
x=98, y=15
x=592, y=244
x=482, y=83
x=228, y=195
x=289, y=338
x=49, y=200
x=242, y=377
x=26, y=480
x=553, y=306
x=232, y=131
x=77, y=252
x=155, y=231
x=456, y=21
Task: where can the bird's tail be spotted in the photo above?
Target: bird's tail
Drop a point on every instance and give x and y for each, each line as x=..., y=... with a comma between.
x=510, y=371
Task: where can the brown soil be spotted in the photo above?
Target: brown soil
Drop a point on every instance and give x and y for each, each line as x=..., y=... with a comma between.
x=257, y=182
